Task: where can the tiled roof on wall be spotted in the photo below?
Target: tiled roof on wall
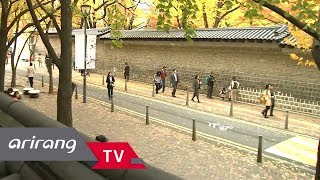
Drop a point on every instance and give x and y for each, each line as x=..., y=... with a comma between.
x=97, y=31
x=278, y=33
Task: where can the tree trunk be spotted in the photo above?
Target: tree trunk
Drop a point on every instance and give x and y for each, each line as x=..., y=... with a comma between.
x=13, y=67
x=178, y=22
x=317, y=176
x=3, y=54
x=3, y=45
x=205, y=20
x=50, y=80
x=204, y=14
x=49, y=64
x=316, y=57
x=13, y=77
x=13, y=53
x=64, y=101
x=217, y=19
x=130, y=26
x=216, y=22
x=316, y=53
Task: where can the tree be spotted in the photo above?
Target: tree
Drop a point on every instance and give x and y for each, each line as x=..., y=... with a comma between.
x=7, y=23
x=101, y=10
x=64, y=62
x=64, y=30
x=306, y=17
x=223, y=9
x=308, y=20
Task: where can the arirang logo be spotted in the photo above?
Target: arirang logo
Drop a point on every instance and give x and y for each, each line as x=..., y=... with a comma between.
x=43, y=143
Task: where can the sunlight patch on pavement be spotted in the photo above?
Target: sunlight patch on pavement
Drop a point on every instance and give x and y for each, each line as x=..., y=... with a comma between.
x=298, y=148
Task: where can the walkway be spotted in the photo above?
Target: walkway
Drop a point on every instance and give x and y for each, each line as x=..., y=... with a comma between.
x=284, y=144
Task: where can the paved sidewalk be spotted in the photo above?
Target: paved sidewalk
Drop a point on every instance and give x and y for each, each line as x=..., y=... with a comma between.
x=297, y=122
x=165, y=148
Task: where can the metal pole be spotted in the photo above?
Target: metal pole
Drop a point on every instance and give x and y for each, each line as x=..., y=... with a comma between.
x=126, y=84
x=112, y=104
x=42, y=81
x=259, y=156
x=85, y=62
x=287, y=120
x=153, y=90
x=103, y=80
x=187, y=101
x=231, y=108
x=76, y=96
x=194, y=129
x=147, y=115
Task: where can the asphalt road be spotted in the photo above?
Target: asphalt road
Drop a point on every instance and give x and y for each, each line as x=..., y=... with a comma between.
x=222, y=127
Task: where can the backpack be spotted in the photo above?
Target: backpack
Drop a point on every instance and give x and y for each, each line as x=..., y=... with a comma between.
x=206, y=81
x=235, y=85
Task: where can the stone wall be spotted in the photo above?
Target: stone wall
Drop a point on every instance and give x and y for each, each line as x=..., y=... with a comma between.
x=255, y=64
x=283, y=101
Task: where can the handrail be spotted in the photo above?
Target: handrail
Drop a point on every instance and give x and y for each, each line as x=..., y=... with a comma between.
x=29, y=117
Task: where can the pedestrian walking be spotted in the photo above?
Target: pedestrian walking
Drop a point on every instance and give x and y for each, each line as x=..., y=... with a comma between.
x=210, y=82
x=196, y=88
x=272, y=99
x=223, y=93
x=174, y=82
x=267, y=100
x=157, y=81
x=110, y=84
x=31, y=73
x=126, y=72
x=233, y=88
x=163, y=78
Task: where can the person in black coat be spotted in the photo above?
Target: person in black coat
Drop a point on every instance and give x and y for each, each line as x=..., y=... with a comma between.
x=126, y=72
x=196, y=87
x=174, y=82
x=210, y=82
x=110, y=84
x=272, y=100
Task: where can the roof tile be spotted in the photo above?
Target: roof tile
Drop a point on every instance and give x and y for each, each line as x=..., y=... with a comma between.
x=277, y=32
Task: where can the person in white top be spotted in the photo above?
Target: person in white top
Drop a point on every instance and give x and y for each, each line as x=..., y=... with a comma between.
x=31, y=73
x=233, y=88
x=267, y=96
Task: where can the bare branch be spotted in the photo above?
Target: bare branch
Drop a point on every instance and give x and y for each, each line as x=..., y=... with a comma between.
x=54, y=21
x=301, y=25
x=271, y=20
x=105, y=4
x=43, y=36
x=26, y=27
x=11, y=4
x=104, y=14
x=22, y=49
x=128, y=8
x=23, y=13
x=229, y=11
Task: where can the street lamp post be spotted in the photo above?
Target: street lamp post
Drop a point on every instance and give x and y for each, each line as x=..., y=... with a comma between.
x=85, y=9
